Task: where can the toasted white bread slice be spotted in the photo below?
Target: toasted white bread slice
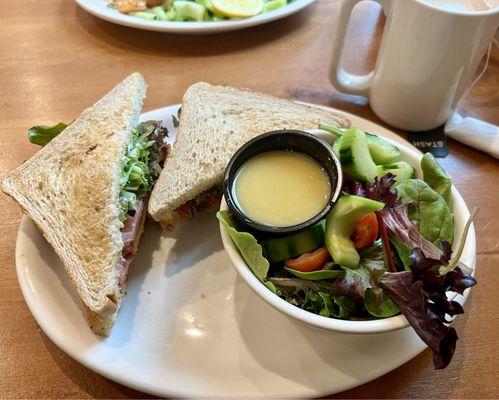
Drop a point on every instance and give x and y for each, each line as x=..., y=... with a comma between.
x=70, y=189
x=215, y=122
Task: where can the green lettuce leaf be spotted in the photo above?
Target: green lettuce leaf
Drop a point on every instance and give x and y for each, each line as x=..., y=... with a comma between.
x=365, y=281
x=331, y=306
x=436, y=177
x=429, y=209
x=140, y=166
x=176, y=118
x=343, y=307
x=42, y=134
x=321, y=303
x=378, y=304
x=249, y=248
x=403, y=252
x=316, y=275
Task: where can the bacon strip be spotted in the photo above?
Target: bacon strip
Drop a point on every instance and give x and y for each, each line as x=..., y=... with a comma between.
x=205, y=201
x=131, y=233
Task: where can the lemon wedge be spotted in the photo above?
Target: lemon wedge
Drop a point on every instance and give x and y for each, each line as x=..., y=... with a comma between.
x=238, y=8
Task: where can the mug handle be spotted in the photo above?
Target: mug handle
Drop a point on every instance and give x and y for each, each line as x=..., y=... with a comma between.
x=342, y=80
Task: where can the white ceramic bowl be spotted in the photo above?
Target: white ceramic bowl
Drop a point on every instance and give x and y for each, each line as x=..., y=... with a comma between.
x=461, y=214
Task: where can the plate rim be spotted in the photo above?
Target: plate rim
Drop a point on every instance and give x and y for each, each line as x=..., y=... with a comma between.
x=192, y=27
x=82, y=356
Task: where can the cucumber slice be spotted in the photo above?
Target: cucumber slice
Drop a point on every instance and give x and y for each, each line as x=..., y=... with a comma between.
x=284, y=247
x=382, y=151
x=339, y=227
x=206, y=4
x=272, y=5
x=188, y=11
x=337, y=145
x=148, y=16
x=400, y=169
x=355, y=157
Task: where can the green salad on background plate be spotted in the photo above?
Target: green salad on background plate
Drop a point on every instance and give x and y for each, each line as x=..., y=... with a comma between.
x=195, y=10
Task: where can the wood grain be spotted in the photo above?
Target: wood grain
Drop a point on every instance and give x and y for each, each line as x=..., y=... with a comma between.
x=56, y=59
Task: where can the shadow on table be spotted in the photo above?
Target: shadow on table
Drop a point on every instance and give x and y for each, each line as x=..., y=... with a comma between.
x=180, y=45
x=332, y=98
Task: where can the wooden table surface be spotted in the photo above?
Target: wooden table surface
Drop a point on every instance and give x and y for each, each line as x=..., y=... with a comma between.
x=56, y=59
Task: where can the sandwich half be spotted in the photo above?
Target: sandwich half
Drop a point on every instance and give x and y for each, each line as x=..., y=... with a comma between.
x=86, y=190
x=215, y=121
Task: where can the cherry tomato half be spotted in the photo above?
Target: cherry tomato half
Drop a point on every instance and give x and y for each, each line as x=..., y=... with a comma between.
x=365, y=231
x=309, y=261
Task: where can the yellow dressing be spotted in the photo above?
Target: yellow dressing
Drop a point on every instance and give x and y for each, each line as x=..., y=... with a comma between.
x=281, y=188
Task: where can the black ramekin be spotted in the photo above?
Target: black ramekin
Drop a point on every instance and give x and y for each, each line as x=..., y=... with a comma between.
x=290, y=140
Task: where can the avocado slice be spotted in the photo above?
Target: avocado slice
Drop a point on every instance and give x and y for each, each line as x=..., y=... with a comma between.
x=339, y=227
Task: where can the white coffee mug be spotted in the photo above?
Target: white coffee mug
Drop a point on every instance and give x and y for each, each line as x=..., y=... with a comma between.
x=428, y=53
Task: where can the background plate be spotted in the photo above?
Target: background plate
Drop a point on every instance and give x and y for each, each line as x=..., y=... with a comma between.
x=99, y=9
x=189, y=326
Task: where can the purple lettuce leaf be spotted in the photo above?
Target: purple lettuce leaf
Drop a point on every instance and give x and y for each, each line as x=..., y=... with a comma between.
x=380, y=190
x=420, y=295
x=399, y=225
x=387, y=251
x=333, y=288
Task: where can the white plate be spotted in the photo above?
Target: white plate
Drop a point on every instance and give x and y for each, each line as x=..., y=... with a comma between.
x=189, y=326
x=99, y=9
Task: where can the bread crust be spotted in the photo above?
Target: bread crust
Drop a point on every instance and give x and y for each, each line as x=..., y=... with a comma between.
x=102, y=322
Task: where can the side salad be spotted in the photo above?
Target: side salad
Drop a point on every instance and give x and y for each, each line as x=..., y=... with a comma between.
x=195, y=10
x=385, y=248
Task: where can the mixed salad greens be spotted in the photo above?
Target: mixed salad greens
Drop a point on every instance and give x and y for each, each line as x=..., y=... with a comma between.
x=384, y=249
x=142, y=164
x=195, y=10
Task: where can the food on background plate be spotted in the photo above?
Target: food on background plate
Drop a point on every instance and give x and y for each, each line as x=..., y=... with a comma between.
x=195, y=10
x=87, y=191
x=216, y=121
x=268, y=186
x=383, y=249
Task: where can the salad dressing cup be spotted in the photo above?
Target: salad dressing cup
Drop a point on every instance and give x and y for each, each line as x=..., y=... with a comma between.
x=284, y=140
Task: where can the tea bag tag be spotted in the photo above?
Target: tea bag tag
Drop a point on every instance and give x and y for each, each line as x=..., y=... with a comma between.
x=433, y=141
